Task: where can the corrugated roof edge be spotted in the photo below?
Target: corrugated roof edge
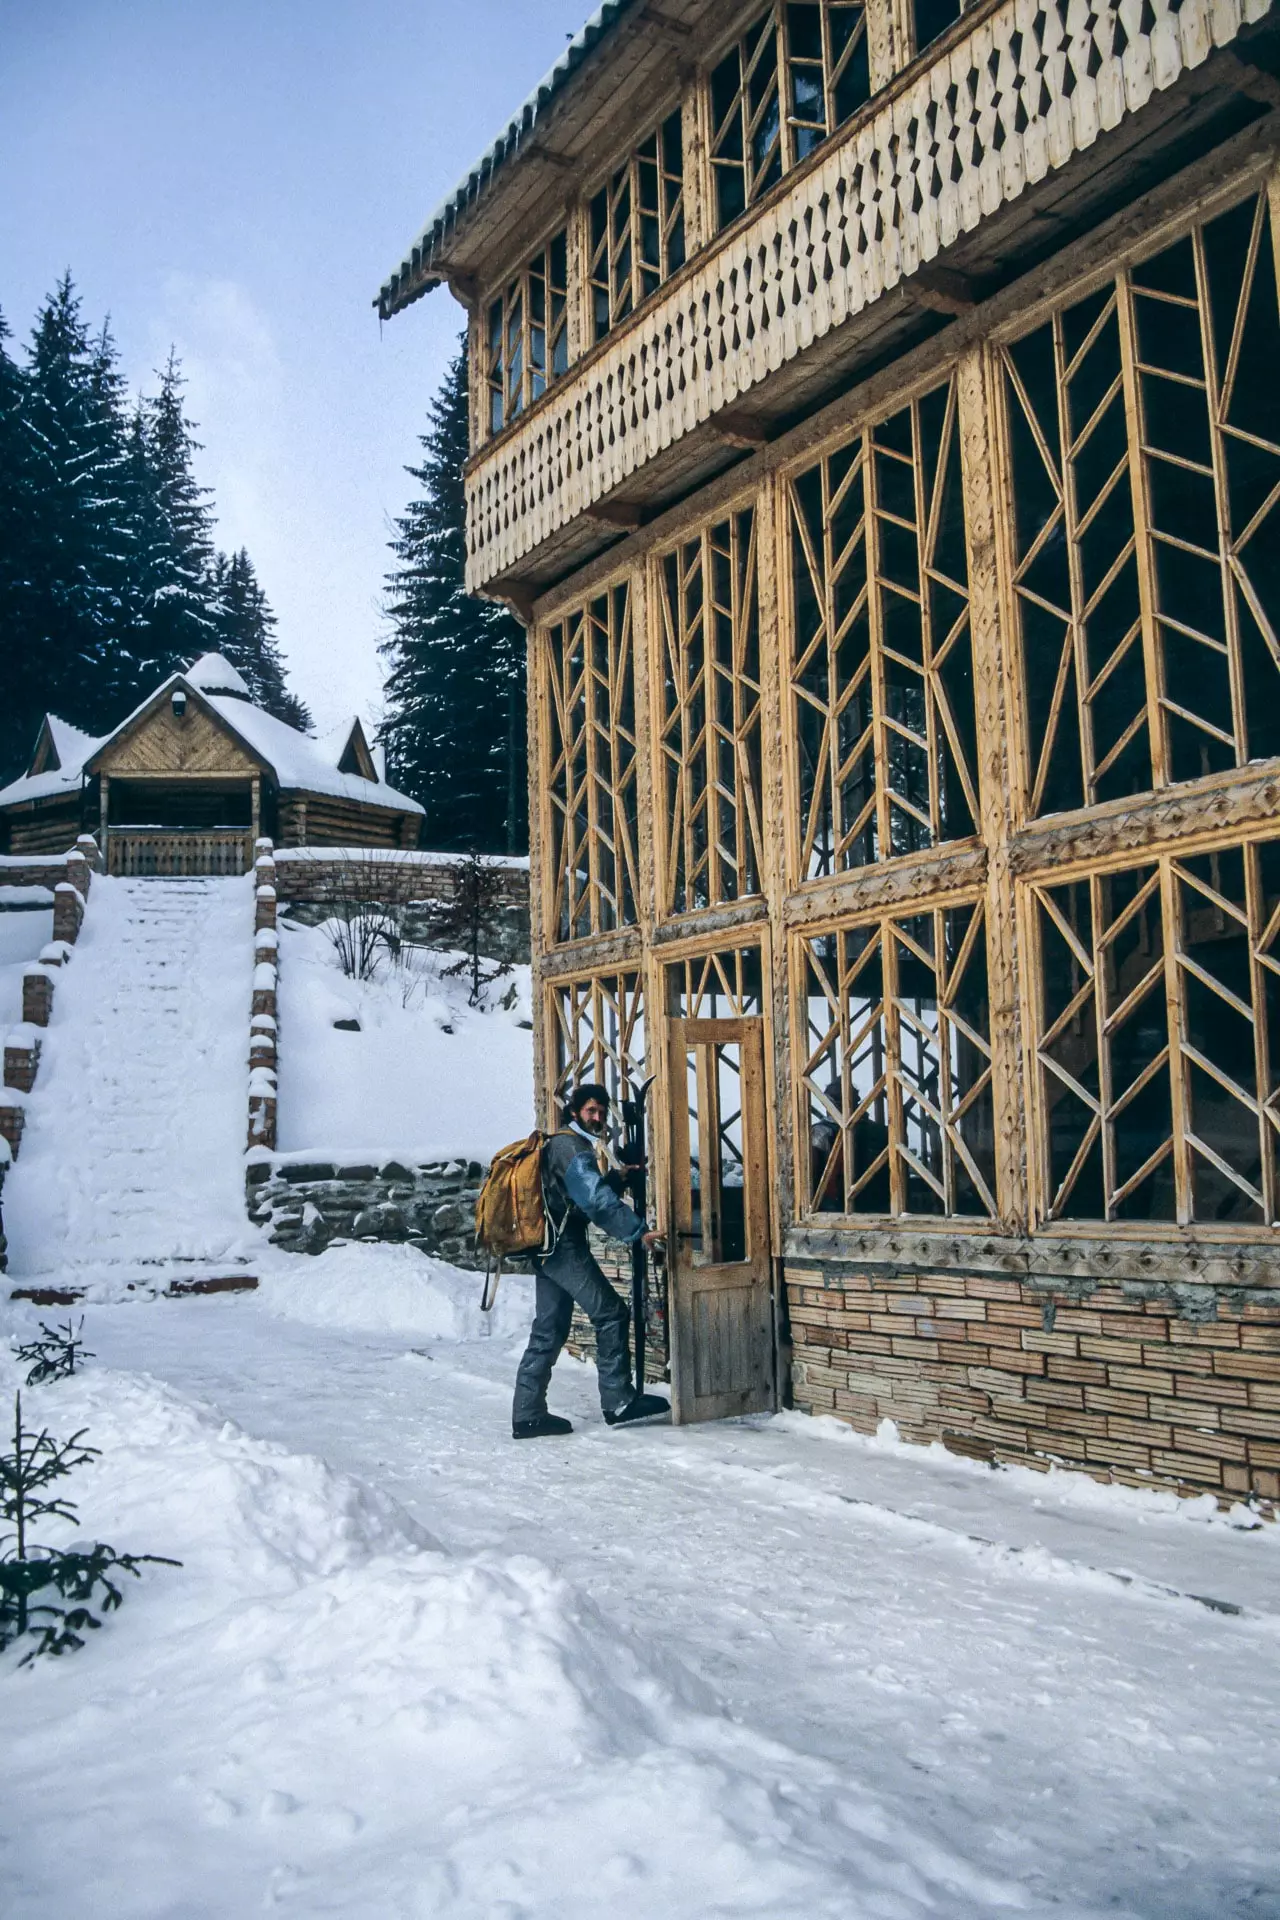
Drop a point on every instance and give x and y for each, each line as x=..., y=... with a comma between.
x=413, y=277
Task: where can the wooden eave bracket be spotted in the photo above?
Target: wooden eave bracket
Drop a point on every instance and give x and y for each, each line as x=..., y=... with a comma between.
x=739, y=429
x=517, y=600
x=663, y=24
x=615, y=513
x=1247, y=79
x=941, y=290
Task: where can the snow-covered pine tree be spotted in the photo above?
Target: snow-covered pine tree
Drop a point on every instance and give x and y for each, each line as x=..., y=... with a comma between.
x=64, y=606
x=21, y=707
x=172, y=617
x=246, y=636
x=454, y=723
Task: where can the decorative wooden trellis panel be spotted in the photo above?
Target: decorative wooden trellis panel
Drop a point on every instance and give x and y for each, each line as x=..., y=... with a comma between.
x=1033, y=84
x=1157, y=1039
x=590, y=768
x=723, y=984
x=600, y=1032
x=894, y=1068
x=1142, y=427
x=710, y=741
x=881, y=669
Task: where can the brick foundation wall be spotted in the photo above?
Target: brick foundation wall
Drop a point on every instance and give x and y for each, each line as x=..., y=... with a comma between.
x=1141, y=1384
x=615, y=1263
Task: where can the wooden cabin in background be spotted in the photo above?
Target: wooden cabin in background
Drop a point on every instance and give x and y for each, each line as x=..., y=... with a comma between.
x=875, y=422
x=189, y=780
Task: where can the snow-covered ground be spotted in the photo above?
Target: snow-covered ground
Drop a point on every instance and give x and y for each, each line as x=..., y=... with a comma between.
x=22, y=935
x=134, y=1143
x=426, y=1077
x=409, y=1668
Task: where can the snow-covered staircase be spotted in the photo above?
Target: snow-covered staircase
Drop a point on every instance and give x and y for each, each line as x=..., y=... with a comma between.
x=131, y=1171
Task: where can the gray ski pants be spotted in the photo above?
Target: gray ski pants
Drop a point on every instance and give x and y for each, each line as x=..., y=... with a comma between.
x=572, y=1274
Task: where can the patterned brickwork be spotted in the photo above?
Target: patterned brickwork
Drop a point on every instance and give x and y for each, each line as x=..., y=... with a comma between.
x=1137, y=1386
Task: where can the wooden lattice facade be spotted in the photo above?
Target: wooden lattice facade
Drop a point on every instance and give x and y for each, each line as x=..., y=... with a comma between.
x=901, y=560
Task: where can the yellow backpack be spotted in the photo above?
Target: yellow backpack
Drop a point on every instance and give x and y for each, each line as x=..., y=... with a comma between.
x=511, y=1211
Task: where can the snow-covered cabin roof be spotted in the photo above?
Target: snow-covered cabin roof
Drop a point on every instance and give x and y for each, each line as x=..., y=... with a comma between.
x=214, y=673
x=296, y=761
x=57, y=765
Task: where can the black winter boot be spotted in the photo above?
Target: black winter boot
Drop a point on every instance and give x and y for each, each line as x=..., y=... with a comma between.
x=545, y=1425
x=645, y=1406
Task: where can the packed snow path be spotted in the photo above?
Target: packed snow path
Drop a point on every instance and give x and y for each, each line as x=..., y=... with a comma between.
x=133, y=1153
x=952, y=1642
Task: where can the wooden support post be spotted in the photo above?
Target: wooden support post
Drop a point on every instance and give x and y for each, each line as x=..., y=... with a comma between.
x=982, y=481
x=777, y=956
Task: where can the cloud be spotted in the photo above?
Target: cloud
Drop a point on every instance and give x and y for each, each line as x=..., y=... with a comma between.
x=276, y=480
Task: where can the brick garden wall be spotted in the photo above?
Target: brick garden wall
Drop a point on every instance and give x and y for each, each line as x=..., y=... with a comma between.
x=1134, y=1383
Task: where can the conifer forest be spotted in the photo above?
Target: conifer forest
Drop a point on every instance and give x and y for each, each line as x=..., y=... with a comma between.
x=109, y=576
x=454, y=715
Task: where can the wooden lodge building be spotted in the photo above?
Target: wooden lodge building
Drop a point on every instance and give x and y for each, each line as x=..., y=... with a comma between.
x=881, y=444
x=189, y=780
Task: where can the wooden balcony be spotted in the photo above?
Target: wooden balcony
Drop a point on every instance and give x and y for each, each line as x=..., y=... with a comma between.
x=1030, y=121
x=178, y=852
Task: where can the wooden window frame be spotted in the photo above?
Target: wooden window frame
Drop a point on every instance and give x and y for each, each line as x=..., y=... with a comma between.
x=524, y=352
x=894, y=1090
x=885, y=736
x=595, y=1021
x=764, y=44
x=589, y=759
x=1155, y=713
x=617, y=221
x=709, y=721
x=1164, y=879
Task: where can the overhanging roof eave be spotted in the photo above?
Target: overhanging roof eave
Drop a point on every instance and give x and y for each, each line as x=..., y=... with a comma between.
x=414, y=275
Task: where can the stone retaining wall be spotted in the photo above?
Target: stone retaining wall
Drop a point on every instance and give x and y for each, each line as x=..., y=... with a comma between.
x=308, y=1205
x=1144, y=1384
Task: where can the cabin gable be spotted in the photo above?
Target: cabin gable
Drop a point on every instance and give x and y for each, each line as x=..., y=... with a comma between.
x=159, y=742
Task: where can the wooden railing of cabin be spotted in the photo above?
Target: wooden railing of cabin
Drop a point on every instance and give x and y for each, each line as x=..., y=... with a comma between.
x=179, y=852
x=1032, y=84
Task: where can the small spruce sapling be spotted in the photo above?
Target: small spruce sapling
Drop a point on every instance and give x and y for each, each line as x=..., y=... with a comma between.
x=81, y=1575
x=467, y=918
x=56, y=1354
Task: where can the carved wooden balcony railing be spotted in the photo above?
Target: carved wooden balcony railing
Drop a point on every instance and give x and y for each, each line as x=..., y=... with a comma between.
x=178, y=852
x=1032, y=85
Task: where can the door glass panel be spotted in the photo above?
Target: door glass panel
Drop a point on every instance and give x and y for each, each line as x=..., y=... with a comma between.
x=717, y=1168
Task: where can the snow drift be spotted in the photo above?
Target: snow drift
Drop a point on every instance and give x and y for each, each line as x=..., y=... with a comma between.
x=391, y=1289
x=388, y=1730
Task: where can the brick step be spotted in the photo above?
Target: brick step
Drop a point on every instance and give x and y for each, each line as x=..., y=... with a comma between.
x=134, y=1284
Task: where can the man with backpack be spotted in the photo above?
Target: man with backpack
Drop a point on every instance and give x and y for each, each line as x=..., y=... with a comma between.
x=578, y=1194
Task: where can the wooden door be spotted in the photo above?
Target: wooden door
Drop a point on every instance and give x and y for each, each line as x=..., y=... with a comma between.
x=721, y=1306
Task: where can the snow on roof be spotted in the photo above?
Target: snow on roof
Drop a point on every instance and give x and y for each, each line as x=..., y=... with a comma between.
x=298, y=761
x=334, y=743
x=413, y=276
x=72, y=747
x=214, y=673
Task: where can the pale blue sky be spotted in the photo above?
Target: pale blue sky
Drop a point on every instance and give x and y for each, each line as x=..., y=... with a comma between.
x=237, y=177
